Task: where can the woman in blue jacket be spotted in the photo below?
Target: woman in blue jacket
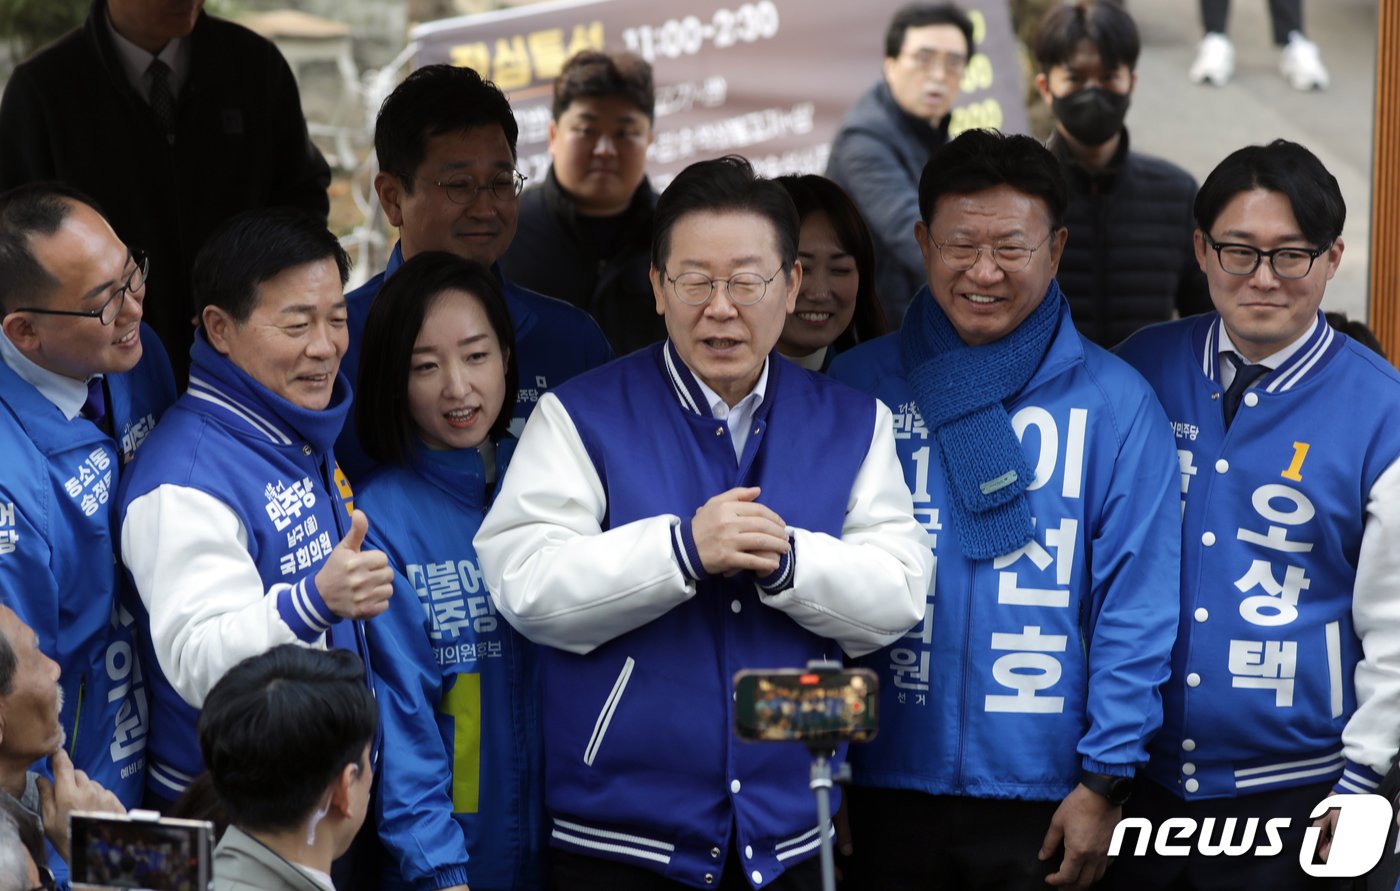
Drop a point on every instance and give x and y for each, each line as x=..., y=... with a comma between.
x=837, y=307
x=459, y=797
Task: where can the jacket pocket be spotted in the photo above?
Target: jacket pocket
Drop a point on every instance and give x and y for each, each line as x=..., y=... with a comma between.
x=600, y=727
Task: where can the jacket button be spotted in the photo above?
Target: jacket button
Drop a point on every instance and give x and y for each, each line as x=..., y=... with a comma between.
x=1188, y=745
x=1222, y=466
x=734, y=786
x=757, y=877
x=714, y=853
x=1193, y=680
x=1188, y=768
x=1251, y=399
x=709, y=878
x=1207, y=538
x=719, y=431
x=1202, y=614
x=306, y=450
x=748, y=851
x=1192, y=785
x=736, y=606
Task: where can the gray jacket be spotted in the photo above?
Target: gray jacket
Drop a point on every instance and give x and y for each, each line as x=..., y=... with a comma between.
x=242, y=863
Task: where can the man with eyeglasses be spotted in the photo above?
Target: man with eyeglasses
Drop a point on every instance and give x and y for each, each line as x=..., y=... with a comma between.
x=82, y=384
x=889, y=134
x=1013, y=721
x=445, y=141
x=697, y=507
x=1284, y=686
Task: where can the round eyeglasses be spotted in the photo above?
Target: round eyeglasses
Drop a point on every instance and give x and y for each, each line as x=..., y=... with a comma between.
x=696, y=288
x=111, y=307
x=961, y=257
x=504, y=186
x=1286, y=262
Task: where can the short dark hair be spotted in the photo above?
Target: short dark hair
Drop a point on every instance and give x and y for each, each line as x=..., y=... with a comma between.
x=724, y=185
x=596, y=74
x=387, y=432
x=1104, y=23
x=434, y=100
x=921, y=15
x=984, y=159
x=1284, y=167
x=279, y=727
x=817, y=194
x=255, y=246
x=33, y=209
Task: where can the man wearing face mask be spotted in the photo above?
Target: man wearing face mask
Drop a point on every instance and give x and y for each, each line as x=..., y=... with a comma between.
x=1129, y=261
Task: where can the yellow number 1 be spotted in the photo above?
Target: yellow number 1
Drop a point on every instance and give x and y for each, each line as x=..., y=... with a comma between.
x=463, y=703
x=1294, y=471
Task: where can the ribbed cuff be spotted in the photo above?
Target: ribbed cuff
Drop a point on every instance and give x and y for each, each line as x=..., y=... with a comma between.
x=1357, y=779
x=443, y=877
x=686, y=554
x=301, y=607
x=1113, y=770
x=780, y=579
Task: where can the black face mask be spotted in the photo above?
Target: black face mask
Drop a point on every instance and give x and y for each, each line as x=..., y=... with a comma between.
x=1093, y=115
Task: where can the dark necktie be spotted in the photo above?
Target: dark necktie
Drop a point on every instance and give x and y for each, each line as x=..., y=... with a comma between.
x=162, y=100
x=95, y=408
x=1245, y=375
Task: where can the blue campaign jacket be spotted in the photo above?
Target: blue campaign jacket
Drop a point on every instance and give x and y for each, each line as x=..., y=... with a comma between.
x=1265, y=671
x=553, y=342
x=1036, y=665
x=641, y=761
x=458, y=690
x=271, y=463
x=58, y=547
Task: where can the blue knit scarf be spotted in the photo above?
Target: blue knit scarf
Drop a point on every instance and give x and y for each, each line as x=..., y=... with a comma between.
x=960, y=391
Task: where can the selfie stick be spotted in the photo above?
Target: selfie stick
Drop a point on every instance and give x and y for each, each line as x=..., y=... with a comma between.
x=821, y=784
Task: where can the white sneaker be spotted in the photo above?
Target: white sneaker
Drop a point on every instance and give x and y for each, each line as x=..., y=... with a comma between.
x=1215, y=61
x=1301, y=65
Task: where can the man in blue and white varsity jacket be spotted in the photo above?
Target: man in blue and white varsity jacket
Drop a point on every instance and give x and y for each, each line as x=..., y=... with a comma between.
x=82, y=383
x=698, y=507
x=1013, y=721
x=1285, y=680
x=236, y=523
x=445, y=142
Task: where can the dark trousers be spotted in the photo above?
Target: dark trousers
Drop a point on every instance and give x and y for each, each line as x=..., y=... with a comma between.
x=1195, y=872
x=1286, y=15
x=910, y=840
x=576, y=872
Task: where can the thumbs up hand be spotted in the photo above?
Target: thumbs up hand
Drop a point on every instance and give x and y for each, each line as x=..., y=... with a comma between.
x=356, y=584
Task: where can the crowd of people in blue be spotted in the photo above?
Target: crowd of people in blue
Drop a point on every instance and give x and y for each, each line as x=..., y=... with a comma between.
x=442, y=583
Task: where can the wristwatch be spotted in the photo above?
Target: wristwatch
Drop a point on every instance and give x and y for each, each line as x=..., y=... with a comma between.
x=1116, y=789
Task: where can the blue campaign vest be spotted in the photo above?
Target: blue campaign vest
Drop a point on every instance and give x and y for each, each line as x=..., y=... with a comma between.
x=270, y=462
x=1030, y=667
x=58, y=556
x=638, y=733
x=442, y=635
x=1273, y=512
x=554, y=341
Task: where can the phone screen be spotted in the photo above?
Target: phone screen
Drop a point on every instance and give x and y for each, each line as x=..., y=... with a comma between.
x=806, y=706
x=111, y=851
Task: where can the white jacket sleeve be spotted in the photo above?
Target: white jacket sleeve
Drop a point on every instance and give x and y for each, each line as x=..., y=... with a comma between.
x=556, y=575
x=1369, y=739
x=867, y=588
x=188, y=555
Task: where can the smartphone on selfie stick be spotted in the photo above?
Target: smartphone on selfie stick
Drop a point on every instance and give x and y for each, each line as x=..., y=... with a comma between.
x=820, y=706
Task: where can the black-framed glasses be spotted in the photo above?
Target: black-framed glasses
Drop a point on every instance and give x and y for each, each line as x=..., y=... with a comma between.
x=696, y=288
x=1286, y=262
x=504, y=186
x=961, y=257
x=111, y=307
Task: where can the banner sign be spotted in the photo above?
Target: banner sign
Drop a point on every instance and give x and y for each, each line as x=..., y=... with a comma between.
x=770, y=80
